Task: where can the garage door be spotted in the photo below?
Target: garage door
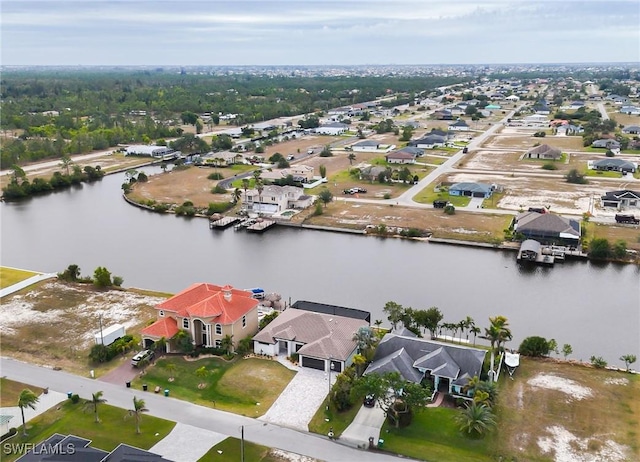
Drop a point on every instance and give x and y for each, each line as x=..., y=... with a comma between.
x=313, y=363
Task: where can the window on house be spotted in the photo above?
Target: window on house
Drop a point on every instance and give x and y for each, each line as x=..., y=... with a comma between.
x=218, y=343
x=218, y=329
x=244, y=321
x=161, y=313
x=185, y=323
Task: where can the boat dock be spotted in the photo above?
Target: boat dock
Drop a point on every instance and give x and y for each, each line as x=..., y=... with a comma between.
x=223, y=223
x=260, y=226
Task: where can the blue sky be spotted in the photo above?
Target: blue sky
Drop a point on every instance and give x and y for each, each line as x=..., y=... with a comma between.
x=308, y=32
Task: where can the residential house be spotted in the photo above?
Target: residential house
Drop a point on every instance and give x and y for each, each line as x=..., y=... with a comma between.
x=458, y=110
x=548, y=228
x=371, y=172
x=443, y=114
x=459, y=125
x=321, y=340
x=544, y=151
x=208, y=313
x=157, y=152
x=471, y=189
x=622, y=199
x=273, y=199
x=606, y=143
x=631, y=110
x=536, y=120
x=542, y=109
x=300, y=173
x=366, y=146
x=430, y=141
x=71, y=448
x=438, y=132
x=631, y=130
x=335, y=128
x=576, y=104
x=403, y=156
x=513, y=98
x=569, y=129
x=448, y=368
x=616, y=165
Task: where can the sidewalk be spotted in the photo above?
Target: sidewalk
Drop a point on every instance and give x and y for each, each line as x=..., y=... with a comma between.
x=26, y=283
x=46, y=402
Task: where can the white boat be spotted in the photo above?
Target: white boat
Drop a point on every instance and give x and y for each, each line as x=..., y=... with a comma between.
x=512, y=361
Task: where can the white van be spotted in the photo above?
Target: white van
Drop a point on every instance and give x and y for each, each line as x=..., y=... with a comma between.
x=144, y=354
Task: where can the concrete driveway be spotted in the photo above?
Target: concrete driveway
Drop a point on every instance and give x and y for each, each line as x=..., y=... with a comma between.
x=367, y=424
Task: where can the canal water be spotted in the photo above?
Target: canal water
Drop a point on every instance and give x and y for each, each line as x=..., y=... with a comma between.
x=593, y=307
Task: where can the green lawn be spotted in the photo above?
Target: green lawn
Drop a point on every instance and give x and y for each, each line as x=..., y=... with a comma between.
x=230, y=452
x=600, y=173
x=325, y=419
x=115, y=427
x=434, y=435
x=10, y=276
x=428, y=195
x=243, y=386
x=10, y=392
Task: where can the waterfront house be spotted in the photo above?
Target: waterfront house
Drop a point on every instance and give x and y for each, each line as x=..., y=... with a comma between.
x=157, y=152
x=273, y=199
x=544, y=151
x=622, y=199
x=322, y=339
x=548, y=228
x=447, y=367
x=208, y=312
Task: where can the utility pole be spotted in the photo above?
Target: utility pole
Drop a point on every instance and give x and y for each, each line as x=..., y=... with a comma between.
x=242, y=443
x=101, y=336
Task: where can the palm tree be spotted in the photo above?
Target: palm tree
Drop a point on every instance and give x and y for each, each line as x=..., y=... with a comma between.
x=202, y=373
x=359, y=361
x=476, y=420
x=136, y=412
x=628, y=360
x=469, y=324
x=237, y=194
x=227, y=343
x=260, y=188
x=497, y=333
x=245, y=186
x=28, y=399
x=96, y=398
x=475, y=331
x=171, y=368
x=462, y=325
x=66, y=163
x=351, y=158
x=160, y=345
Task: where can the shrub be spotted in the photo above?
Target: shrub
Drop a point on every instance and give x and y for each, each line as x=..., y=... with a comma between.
x=575, y=177
x=598, y=362
x=75, y=398
x=217, y=189
x=450, y=210
x=610, y=153
x=218, y=207
x=117, y=281
x=215, y=176
x=162, y=208
x=550, y=166
x=387, y=196
x=534, y=346
x=540, y=134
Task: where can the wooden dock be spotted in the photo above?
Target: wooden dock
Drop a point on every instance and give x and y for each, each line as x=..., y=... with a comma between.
x=223, y=223
x=260, y=226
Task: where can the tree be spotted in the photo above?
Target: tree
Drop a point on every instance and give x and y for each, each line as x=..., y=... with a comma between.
x=226, y=344
x=365, y=340
x=394, y=312
x=183, y=341
x=351, y=158
x=102, y=277
x=66, y=163
x=323, y=171
x=28, y=399
x=476, y=420
x=566, y=350
x=264, y=322
x=619, y=249
x=628, y=360
x=96, y=399
x=136, y=412
x=237, y=194
x=598, y=362
x=534, y=346
x=171, y=368
x=575, y=177
x=475, y=331
x=189, y=118
x=407, y=133
x=326, y=151
x=429, y=319
x=394, y=395
x=497, y=333
x=245, y=186
x=325, y=196
x=359, y=361
x=202, y=374
x=599, y=249
x=72, y=273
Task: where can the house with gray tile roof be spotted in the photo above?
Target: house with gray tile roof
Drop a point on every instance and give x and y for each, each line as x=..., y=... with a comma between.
x=447, y=367
x=617, y=165
x=429, y=142
x=322, y=341
x=471, y=189
x=631, y=130
x=606, y=143
x=544, y=151
x=621, y=199
x=548, y=228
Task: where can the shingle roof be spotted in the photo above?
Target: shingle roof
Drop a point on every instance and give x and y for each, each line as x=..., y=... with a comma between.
x=441, y=359
x=546, y=223
x=613, y=163
x=211, y=301
x=472, y=187
x=546, y=150
x=401, y=155
x=367, y=143
x=323, y=335
x=617, y=195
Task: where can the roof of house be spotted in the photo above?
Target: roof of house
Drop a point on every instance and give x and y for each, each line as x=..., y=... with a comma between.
x=435, y=131
x=332, y=309
x=429, y=139
x=613, y=163
x=411, y=356
x=545, y=150
x=164, y=327
x=622, y=194
x=402, y=154
x=412, y=150
x=459, y=123
x=472, y=187
x=323, y=335
x=367, y=143
x=546, y=223
x=203, y=300
x=530, y=245
x=605, y=142
x=630, y=128
x=334, y=125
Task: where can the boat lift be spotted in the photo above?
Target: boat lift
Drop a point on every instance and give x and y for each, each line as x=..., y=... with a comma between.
x=512, y=361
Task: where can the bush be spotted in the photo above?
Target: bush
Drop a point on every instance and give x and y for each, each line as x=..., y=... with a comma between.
x=217, y=189
x=12, y=431
x=540, y=134
x=162, y=208
x=75, y=398
x=387, y=196
x=550, y=166
x=534, y=346
x=598, y=362
x=450, y=210
x=218, y=207
x=610, y=153
x=575, y=177
x=215, y=176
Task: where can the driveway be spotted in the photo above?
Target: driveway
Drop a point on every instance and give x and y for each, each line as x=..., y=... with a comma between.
x=367, y=424
x=300, y=400
x=475, y=203
x=187, y=443
x=122, y=374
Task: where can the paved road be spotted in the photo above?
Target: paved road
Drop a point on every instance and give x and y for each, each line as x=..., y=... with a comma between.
x=269, y=435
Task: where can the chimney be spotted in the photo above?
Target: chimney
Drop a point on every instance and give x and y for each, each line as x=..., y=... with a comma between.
x=226, y=291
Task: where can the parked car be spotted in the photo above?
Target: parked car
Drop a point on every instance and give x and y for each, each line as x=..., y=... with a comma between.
x=439, y=204
x=630, y=219
x=290, y=157
x=538, y=209
x=144, y=354
x=359, y=190
x=369, y=401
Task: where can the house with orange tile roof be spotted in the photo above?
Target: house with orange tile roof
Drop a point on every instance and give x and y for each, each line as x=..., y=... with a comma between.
x=208, y=312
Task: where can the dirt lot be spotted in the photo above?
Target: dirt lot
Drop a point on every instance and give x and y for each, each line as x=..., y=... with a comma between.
x=523, y=139
x=566, y=413
x=53, y=322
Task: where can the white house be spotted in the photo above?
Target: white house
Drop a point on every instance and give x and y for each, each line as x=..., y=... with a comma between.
x=301, y=173
x=151, y=151
x=459, y=125
x=536, y=120
x=335, y=128
x=429, y=142
x=404, y=156
x=273, y=199
x=366, y=146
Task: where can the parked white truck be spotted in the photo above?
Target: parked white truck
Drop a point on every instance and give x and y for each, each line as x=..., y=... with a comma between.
x=110, y=334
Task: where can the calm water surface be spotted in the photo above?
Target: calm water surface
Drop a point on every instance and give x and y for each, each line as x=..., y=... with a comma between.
x=595, y=308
